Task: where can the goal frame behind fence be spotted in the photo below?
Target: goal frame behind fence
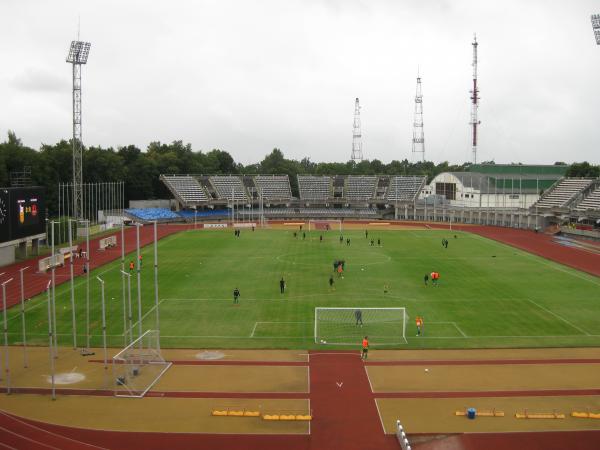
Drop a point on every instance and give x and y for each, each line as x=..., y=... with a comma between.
x=121, y=362
x=311, y=223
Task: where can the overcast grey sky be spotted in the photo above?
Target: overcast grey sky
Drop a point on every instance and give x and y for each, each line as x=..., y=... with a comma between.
x=248, y=76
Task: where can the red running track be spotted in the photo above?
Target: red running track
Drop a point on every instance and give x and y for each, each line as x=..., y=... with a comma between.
x=35, y=282
x=539, y=244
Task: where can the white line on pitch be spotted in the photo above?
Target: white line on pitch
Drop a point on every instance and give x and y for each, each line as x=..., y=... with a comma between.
x=144, y=316
x=559, y=317
x=455, y=326
x=256, y=325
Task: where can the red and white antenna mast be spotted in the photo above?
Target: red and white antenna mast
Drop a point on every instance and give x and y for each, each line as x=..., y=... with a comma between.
x=474, y=101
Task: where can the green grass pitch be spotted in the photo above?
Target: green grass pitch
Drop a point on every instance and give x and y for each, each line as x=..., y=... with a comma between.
x=489, y=294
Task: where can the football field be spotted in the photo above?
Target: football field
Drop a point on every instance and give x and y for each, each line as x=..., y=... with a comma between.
x=488, y=295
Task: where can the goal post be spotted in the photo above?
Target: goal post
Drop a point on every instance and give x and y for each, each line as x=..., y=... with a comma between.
x=107, y=242
x=347, y=326
x=139, y=366
x=333, y=224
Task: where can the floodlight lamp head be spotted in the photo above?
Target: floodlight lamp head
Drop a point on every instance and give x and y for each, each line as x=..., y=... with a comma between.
x=78, y=53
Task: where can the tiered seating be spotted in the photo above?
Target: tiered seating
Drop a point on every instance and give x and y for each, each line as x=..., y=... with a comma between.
x=404, y=189
x=185, y=187
x=562, y=193
x=274, y=186
x=314, y=188
x=360, y=188
x=190, y=214
x=228, y=187
x=152, y=214
x=592, y=201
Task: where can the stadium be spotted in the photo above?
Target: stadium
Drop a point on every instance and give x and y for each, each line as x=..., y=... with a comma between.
x=173, y=298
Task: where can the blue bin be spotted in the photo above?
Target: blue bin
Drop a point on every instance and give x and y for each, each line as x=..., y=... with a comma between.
x=471, y=412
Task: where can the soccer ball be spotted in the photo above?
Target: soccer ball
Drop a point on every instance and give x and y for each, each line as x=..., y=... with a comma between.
x=426, y=370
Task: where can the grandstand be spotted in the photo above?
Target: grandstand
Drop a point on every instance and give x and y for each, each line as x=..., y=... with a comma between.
x=229, y=187
x=404, y=189
x=360, y=188
x=591, y=199
x=185, y=188
x=314, y=187
x=563, y=193
x=273, y=187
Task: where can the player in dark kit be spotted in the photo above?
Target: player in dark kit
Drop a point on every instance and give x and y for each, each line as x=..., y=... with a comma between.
x=331, y=282
x=358, y=317
x=426, y=279
x=236, y=296
x=282, y=285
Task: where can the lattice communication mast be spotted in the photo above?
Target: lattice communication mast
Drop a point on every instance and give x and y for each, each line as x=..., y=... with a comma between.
x=596, y=27
x=78, y=55
x=357, y=154
x=475, y=122
x=418, y=141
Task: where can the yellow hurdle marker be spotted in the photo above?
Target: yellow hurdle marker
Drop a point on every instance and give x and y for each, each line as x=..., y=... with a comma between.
x=235, y=413
x=543, y=415
x=270, y=417
x=585, y=415
x=303, y=417
x=483, y=413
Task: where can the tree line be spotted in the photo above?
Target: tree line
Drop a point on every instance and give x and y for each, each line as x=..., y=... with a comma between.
x=140, y=170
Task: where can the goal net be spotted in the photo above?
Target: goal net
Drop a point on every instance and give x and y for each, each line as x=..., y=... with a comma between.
x=108, y=242
x=139, y=366
x=347, y=326
x=335, y=225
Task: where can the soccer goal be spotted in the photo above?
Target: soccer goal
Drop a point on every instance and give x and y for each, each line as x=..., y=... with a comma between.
x=45, y=264
x=347, y=326
x=108, y=242
x=139, y=366
x=325, y=225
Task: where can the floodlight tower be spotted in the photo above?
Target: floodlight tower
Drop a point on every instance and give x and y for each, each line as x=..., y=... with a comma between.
x=356, y=135
x=78, y=55
x=418, y=141
x=596, y=27
x=474, y=101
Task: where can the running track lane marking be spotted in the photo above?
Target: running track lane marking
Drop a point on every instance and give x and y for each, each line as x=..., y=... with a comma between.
x=15, y=418
x=374, y=399
x=559, y=317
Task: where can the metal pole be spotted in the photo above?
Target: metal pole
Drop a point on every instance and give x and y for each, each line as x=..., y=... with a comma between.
x=53, y=280
x=23, y=317
x=74, y=326
x=130, y=329
x=139, y=282
x=103, y=323
x=50, y=339
x=156, y=280
x=6, y=360
x=123, y=281
x=87, y=283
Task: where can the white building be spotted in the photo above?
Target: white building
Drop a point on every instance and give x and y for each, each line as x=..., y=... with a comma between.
x=476, y=190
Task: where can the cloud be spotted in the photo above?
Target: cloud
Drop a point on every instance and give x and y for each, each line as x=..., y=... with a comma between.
x=36, y=79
